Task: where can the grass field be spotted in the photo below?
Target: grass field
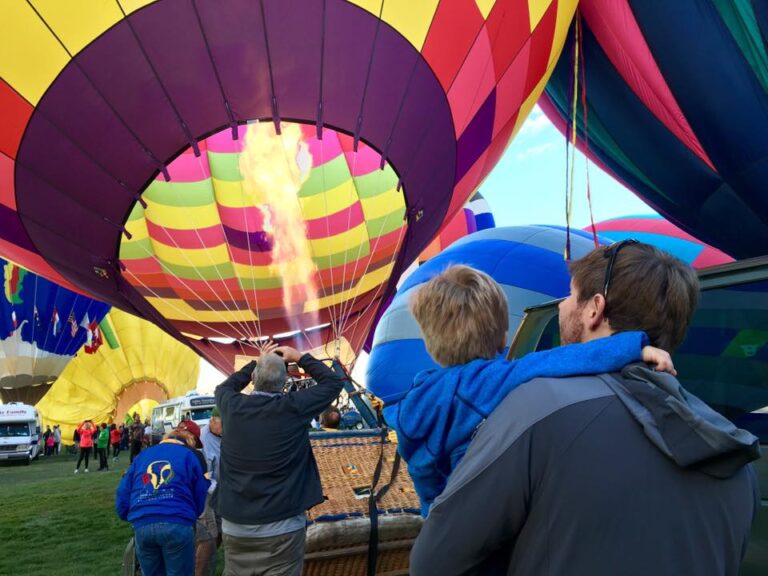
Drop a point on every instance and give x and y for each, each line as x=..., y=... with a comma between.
x=56, y=523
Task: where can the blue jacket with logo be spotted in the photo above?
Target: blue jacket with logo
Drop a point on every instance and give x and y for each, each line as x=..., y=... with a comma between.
x=165, y=483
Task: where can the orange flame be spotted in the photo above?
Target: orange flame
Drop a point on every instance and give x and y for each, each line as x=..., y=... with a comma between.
x=274, y=167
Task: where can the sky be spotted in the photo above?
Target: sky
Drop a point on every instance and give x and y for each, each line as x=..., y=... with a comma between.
x=528, y=187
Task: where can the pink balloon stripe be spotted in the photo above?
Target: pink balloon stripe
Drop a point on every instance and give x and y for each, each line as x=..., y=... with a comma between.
x=618, y=33
x=187, y=239
x=337, y=223
x=248, y=219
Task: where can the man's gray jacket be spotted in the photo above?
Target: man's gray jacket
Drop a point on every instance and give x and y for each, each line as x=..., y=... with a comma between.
x=613, y=474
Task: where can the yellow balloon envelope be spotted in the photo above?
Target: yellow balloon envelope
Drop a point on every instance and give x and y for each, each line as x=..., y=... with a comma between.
x=137, y=362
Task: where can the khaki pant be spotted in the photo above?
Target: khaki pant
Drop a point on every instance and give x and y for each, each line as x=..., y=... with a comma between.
x=281, y=555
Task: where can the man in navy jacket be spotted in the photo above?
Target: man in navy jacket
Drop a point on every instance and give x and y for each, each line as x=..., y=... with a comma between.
x=269, y=477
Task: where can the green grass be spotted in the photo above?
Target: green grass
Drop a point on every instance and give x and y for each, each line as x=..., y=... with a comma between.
x=57, y=523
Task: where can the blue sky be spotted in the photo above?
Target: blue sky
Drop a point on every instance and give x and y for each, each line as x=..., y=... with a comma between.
x=528, y=187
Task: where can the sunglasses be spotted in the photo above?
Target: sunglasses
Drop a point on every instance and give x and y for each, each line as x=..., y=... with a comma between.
x=612, y=253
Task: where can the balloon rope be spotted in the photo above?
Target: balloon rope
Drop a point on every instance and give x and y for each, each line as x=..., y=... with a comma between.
x=170, y=303
x=368, y=263
x=252, y=334
x=348, y=303
x=332, y=309
x=224, y=360
x=372, y=252
x=169, y=272
x=166, y=270
x=255, y=305
x=584, y=110
x=573, y=135
x=361, y=314
x=243, y=324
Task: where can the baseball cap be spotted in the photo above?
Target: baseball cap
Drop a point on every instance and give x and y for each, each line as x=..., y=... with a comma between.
x=215, y=412
x=193, y=429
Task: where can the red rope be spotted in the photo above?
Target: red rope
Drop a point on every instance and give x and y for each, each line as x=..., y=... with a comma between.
x=586, y=127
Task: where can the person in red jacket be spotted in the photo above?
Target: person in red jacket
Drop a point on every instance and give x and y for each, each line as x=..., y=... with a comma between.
x=115, y=436
x=86, y=430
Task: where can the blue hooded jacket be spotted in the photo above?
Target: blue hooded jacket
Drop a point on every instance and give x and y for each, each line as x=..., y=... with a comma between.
x=438, y=416
x=165, y=483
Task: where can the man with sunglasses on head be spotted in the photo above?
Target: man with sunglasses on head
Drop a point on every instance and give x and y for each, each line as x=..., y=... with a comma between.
x=624, y=473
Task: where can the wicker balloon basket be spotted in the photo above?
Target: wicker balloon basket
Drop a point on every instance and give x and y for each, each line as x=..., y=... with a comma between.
x=339, y=533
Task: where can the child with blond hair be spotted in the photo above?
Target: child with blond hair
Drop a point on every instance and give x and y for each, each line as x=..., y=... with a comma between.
x=463, y=316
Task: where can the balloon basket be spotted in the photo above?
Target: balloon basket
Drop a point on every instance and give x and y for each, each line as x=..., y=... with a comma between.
x=339, y=532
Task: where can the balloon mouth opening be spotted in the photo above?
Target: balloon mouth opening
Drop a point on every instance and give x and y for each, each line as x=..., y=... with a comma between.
x=266, y=229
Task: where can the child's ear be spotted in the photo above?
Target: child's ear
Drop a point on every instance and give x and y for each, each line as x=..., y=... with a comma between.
x=503, y=343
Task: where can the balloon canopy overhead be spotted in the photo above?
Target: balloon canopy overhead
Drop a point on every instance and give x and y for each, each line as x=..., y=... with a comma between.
x=403, y=108
x=676, y=109
x=200, y=252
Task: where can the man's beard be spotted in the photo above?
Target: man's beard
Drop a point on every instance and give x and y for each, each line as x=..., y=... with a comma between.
x=571, y=327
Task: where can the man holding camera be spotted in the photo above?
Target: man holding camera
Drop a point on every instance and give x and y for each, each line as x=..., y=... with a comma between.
x=269, y=477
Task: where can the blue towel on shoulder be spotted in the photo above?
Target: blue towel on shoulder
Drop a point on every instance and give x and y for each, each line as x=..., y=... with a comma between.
x=436, y=419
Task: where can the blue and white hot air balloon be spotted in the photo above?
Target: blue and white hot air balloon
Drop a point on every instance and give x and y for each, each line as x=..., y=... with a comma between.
x=528, y=263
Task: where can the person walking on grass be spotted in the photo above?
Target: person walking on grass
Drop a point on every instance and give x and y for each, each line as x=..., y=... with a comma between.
x=49, y=442
x=115, y=435
x=102, y=444
x=56, y=439
x=125, y=441
x=136, y=435
x=85, y=431
x=46, y=448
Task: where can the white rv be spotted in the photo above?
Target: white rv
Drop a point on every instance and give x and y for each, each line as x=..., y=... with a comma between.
x=20, y=436
x=191, y=406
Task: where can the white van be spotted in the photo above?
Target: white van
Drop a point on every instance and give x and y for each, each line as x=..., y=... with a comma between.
x=20, y=435
x=192, y=406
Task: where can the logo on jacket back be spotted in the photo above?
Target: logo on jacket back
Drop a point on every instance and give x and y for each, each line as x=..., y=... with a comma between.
x=158, y=473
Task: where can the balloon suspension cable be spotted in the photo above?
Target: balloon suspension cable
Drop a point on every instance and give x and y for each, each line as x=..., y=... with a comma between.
x=348, y=303
x=181, y=311
x=384, y=222
x=362, y=314
x=584, y=110
x=571, y=141
x=169, y=272
x=255, y=306
x=332, y=307
x=237, y=311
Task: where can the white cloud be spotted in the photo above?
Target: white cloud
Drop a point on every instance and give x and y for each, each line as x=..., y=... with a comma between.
x=536, y=123
x=534, y=151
